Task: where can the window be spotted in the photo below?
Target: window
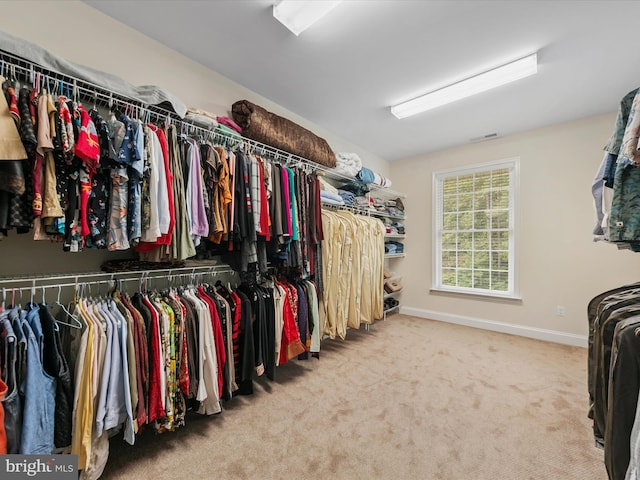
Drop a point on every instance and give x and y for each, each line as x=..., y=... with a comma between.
x=474, y=230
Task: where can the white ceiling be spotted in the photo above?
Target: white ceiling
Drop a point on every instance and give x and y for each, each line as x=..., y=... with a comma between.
x=366, y=55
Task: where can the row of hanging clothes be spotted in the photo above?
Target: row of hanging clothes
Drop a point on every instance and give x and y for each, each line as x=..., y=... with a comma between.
x=353, y=266
x=614, y=378
x=106, y=177
x=120, y=364
x=617, y=181
x=614, y=315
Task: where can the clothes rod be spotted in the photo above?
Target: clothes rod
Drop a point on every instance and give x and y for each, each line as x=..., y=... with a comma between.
x=114, y=275
x=349, y=208
x=81, y=284
x=116, y=281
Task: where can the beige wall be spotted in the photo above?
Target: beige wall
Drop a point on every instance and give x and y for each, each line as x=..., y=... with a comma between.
x=559, y=264
x=84, y=35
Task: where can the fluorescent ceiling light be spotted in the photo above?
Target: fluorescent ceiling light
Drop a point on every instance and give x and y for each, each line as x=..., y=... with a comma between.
x=298, y=15
x=480, y=83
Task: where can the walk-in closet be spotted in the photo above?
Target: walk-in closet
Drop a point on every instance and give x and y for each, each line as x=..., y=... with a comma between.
x=323, y=239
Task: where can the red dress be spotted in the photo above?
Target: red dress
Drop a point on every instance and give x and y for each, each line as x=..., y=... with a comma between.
x=291, y=344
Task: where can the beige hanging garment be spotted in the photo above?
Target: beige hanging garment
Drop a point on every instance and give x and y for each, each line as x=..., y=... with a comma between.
x=366, y=299
x=11, y=147
x=378, y=272
x=44, y=127
x=337, y=284
x=51, y=109
x=328, y=312
x=352, y=275
x=344, y=290
x=50, y=201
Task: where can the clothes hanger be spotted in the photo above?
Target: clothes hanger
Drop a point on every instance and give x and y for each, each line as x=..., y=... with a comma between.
x=142, y=287
x=170, y=280
x=77, y=323
x=14, y=80
x=75, y=94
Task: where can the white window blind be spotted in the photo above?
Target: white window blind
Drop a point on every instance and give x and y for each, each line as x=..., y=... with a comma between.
x=474, y=244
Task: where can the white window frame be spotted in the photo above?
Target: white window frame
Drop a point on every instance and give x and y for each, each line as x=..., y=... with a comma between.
x=513, y=164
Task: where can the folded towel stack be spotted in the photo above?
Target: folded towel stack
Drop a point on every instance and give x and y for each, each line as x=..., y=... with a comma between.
x=348, y=197
x=393, y=247
x=348, y=164
x=395, y=228
x=366, y=175
x=201, y=118
x=332, y=198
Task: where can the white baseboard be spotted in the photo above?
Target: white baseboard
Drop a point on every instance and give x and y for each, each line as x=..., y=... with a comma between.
x=523, y=331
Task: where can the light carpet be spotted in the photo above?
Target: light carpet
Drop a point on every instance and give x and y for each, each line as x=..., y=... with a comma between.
x=410, y=399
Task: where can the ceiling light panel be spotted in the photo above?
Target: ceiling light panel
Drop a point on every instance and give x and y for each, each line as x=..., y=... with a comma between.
x=471, y=86
x=298, y=15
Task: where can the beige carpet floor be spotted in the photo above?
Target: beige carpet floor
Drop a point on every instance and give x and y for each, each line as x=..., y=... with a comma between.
x=411, y=399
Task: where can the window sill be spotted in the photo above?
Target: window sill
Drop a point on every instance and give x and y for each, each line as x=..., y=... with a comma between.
x=487, y=295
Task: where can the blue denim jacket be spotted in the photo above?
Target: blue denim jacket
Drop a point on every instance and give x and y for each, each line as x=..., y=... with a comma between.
x=39, y=390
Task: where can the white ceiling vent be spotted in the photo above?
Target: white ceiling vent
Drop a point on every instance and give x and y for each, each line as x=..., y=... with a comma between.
x=488, y=136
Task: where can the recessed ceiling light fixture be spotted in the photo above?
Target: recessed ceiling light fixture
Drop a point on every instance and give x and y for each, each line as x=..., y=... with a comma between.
x=298, y=15
x=480, y=83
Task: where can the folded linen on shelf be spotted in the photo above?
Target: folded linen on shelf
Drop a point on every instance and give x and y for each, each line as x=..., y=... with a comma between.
x=348, y=164
x=366, y=175
x=395, y=212
x=229, y=123
x=332, y=197
x=396, y=227
x=348, y=197
x=356, y=187
x=324, y=185
x=331, y=201
x=201, y=121
x=393, y=247
x=381, y=180
x=362, y=201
